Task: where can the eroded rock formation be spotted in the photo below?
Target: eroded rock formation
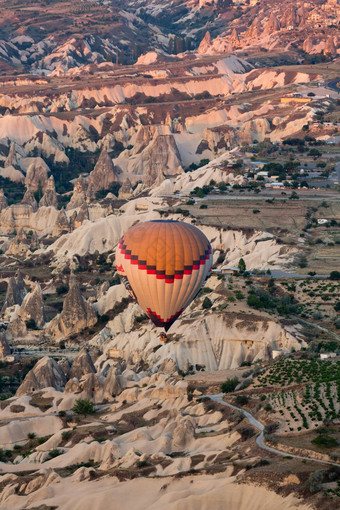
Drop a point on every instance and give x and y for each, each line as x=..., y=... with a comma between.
x=37, y=174
x=16, y=292
x=76, y=315
x=103, y=174
x=82, y=365
x=32, y=307
x=4, y=346
x=46, y=373
x=50, y=197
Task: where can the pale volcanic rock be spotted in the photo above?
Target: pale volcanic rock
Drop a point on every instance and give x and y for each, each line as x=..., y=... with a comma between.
x=254, y=31
x=218, y=342
x=5, y=349
x=290, y=17
x=3, y=200
x=154, y=156
x=308, y=45
x=12, y=174
x=76, y=315
x=162, y=159
x=62, y=225
x=20, y=245
x=49, y=198
x=183, y=435
x=273, y=24
x=103, y=174
x=91, y=193
x=205, y=44
x=15, y=293
x=29, y=199
x=16, y=329
x=80, y=216
x=78, y=196
x=113, y=384
x=125, y=192
x=234, y=38
x=88, y=387
x=37, y=174
x=82, y=364
x=33, y=307
x=11, y=159
x=330, y=48
x=45, y=374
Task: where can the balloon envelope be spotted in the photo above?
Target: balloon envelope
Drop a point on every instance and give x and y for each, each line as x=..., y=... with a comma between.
x=164, y=264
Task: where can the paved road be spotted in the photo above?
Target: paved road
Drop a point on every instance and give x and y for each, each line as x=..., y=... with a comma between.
x=260, y=438
x=333, y=84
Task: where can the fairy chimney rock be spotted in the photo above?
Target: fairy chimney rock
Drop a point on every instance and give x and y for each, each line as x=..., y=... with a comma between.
x=49, y=199
x=103, y=174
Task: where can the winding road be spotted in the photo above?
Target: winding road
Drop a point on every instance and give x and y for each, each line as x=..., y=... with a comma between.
x=260, y=438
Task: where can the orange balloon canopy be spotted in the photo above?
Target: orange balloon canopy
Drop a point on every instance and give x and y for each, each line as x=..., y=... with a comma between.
x=164, y=264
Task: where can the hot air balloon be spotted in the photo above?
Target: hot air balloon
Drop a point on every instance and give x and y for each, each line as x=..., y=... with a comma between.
x=163, y=265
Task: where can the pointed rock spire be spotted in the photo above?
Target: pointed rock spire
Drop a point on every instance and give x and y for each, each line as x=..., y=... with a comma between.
x=205, y=43
x=45, y=374
x=255, y=30
x=5, y=349
x=79, y=195
x=62, y=225
x=3, y=200
x=273, y=24
x=234, y=38
x=76, y=315
x=103, y=174
x=11, y=159
x=49, y=199
x=82, y=365
x=125, y=191
x=32, y=307
x=29, y=199
x=16, y=291
x=37, y=174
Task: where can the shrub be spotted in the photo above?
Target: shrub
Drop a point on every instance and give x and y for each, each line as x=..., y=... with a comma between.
x=325, y=441
x=229, y=385
x=66, y=435
x=83, y=406
x=315, y=481
x=55, y=453
x=334, y=275
x=31, y=435
x=241, y=400
x=206, y=303
x=62, y=289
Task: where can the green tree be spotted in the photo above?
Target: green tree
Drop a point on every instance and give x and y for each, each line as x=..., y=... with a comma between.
x=229, y=385
x=83, y=406
x=242, y=265
x=206, y=303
